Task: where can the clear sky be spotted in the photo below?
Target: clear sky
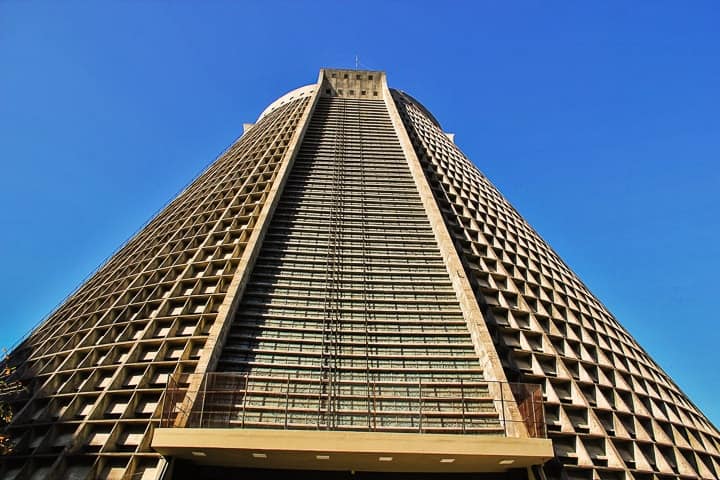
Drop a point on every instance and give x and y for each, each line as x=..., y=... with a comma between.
x=599, y=121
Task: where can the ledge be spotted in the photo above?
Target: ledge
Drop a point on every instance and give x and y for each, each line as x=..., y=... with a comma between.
x=350, y=451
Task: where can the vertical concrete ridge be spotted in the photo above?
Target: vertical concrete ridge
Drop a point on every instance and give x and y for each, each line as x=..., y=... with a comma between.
x=472, y=313
x=218, y=333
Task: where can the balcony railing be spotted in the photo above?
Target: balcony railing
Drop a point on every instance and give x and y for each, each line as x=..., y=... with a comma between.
x=238, y=400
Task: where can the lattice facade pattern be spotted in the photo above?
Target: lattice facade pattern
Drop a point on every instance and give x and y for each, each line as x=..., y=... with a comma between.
x=96, y=369
x=612, y=413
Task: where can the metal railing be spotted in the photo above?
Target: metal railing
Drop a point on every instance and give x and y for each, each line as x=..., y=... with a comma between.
x=437, y=405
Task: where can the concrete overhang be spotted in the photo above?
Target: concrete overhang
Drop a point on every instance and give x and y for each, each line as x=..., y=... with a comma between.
x=350, y=451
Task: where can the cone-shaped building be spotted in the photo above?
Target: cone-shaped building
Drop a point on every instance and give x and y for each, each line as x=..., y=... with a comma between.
x=343, y=293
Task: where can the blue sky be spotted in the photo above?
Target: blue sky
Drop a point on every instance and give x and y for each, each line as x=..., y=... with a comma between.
x=599, y=121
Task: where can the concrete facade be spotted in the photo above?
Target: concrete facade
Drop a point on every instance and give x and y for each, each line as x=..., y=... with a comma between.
x=340, y=287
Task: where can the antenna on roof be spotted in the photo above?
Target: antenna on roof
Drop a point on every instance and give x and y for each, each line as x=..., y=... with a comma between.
x=357, y=62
